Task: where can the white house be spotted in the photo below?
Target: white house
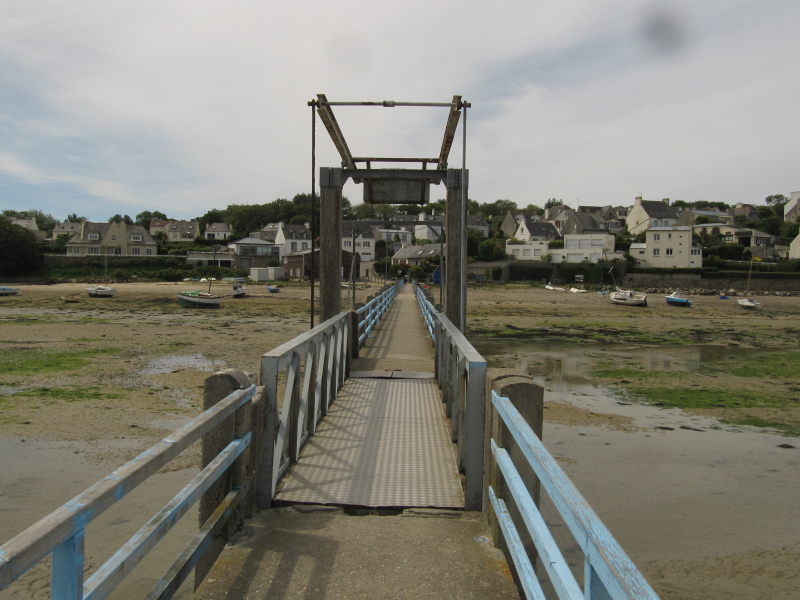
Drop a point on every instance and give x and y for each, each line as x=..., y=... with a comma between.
x=794, y=247
x=583, y=247
x=650, y=213
x=791, y=210
x=668, y=247
x=530, y=250
x=528, y=229
x=217, y=231
x=359, y=237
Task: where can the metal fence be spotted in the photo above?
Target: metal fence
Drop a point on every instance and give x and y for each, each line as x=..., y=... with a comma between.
x=608, y=572
x=61, y=533
x=461, y=376
x=371, y=313
x=310, y=369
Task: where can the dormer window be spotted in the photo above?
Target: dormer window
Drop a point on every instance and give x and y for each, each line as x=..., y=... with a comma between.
x=93, y=236
x=136, y=238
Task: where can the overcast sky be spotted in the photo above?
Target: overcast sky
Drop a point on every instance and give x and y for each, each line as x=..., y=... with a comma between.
x=121, y=106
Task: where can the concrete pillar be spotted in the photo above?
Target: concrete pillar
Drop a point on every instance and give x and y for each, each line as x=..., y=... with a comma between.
x=330, y=242
x=528, y=398
x=240, y=475
x=455, y=260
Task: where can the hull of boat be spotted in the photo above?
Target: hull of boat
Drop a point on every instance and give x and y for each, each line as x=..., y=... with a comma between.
x=749, y=304
x=8, y=291
x=101, y=291
x=627, y=298
x=200, y=300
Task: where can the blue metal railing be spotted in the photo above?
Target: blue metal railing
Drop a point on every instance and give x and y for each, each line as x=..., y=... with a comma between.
x=372, y=312
x=427, y=311
x=61, y=533
x=608, y=572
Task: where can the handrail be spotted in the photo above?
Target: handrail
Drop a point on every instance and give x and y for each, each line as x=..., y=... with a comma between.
x=461, y=376
x=427, y=310
x=61, y=533
x=371, y=313
x=315, y=365
x=608, y=571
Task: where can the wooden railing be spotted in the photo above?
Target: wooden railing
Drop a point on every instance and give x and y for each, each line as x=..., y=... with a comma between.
x=61, y=533
x=608, y=572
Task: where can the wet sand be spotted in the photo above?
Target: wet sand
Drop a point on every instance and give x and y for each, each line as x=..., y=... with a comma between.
x=721, y=533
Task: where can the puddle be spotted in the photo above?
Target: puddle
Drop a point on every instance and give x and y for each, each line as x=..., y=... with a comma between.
x=174, y=362
x=6, y=390
x=37, y=477
x=684, y=487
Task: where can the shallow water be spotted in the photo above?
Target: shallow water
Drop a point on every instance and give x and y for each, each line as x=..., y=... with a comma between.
x=172, y=362
x=685, y=486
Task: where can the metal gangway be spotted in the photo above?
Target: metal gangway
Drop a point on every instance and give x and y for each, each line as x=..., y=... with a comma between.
x=381, y=407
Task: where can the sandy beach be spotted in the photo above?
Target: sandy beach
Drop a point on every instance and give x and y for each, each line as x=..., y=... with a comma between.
x=142, y=360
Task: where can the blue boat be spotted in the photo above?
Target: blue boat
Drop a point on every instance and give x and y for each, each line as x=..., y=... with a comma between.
x=8, y=291
x=676, y=299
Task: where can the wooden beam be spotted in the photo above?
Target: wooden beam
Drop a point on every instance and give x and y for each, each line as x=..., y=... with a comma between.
x=449, y=132
x=329, y=120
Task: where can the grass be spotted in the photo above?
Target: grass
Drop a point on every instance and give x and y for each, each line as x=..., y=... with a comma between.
x=17, y=361
x=67, y=394
x=676, y=397
x=788, y=429
x=630, y=373
x=773, y=365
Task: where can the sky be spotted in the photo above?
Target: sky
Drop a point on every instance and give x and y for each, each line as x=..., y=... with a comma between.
x=183, y=106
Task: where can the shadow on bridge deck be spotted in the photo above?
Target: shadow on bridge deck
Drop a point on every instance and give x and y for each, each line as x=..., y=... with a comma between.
x=385, y=443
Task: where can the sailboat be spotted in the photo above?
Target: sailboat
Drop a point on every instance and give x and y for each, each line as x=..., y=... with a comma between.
x=747, y=302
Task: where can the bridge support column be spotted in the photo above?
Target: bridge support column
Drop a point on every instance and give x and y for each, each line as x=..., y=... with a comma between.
x=455, y=260
x=330, y=242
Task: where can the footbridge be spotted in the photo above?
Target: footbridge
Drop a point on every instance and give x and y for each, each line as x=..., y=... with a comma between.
x=376, y=457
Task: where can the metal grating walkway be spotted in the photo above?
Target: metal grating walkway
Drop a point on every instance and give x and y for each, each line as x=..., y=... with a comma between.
x=384, y=443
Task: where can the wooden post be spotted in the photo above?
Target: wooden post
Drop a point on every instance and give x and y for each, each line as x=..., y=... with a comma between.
x=354, y=331
x=216, y=387
x=528, y=399
x=453, y=305
x=330, y=242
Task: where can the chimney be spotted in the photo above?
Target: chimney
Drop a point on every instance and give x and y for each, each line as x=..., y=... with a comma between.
x=665, y=201
x=637, y=201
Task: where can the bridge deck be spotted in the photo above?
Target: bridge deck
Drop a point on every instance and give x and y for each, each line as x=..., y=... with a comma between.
x=385, y=441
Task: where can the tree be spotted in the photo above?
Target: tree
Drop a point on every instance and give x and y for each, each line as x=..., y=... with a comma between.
x=144, y=218
x=74, y=218
x=491, y=249
x=551, y=202
x=118, y=218
x=18, y=252
x=45, y=222
x=775, y=199
x=533, y=209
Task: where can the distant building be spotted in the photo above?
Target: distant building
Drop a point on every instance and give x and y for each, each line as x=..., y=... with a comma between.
x=528, y=229
x=528, y=250
x=114, y=239
x=30, y=225
x=791, y=210
x=217, y=231
x=794, y=247
x=66, y=228
x=650, y=213
x=668, y=247
x=414, y=255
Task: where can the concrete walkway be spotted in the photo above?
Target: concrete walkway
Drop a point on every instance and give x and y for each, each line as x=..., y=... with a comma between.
x=313, y=551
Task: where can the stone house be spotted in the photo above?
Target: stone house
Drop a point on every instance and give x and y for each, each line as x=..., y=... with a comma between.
x=668, y=247
x=650, y=213
x=115, y=239
x=217, y=231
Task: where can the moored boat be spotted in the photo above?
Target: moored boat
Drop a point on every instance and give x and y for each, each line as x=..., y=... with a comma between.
x=8, y=291
x=198, y=299
x=677, y=299
x=100, y=291
x=273, y=289
x=749, y=303
x=628, y=298
x=239, y=290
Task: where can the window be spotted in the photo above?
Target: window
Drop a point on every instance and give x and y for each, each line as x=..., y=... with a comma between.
x=669, y=235
x=294, y=246
x=583, y=244
x=136, y=238
x=526, y=252
x=93, y=251
x=135, y=251
x=149, y=252
x=366, y=244
x=347, y=243
x=113, y=237
x=696, y=252
x=656, y=251
x=669, y=252
x=597, y=242
x=571, y=243
x=94, y=236
x=656, y=237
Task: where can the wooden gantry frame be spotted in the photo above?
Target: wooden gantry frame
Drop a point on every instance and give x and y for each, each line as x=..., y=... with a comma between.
x=390, y=186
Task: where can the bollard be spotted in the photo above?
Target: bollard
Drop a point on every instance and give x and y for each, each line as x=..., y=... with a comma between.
x=528, y=398
x=216, y=387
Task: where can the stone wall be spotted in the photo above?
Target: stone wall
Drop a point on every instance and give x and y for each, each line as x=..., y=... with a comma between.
x=684, y=281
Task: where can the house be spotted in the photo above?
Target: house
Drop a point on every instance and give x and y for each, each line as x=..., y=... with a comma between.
x=217, y=231
x=791, y=210
x=650, y=213
x=612, y=218
x=220, y=256
x=158, y=226
x=794, y=247
x=758, y=242
x=31, y=225
x=359, y=237
x=528, y=250
x=509, y=225
x=557, y=215
x=528, y=229
x=478, y=223
x=668, y=247
x=66, y=228
x=116, y=239
x=748, y=211
x=691, y=215
x=585, y=247
x=293, y=238
x=297, y=265
x=414, y=255
x=254, y=252
x=583, y=222
x=181, y=232
x=429, y=228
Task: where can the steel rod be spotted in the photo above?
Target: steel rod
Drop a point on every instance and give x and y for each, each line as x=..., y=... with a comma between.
x=313, y=203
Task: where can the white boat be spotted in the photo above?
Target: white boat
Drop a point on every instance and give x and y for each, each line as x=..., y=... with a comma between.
x=554, y=288
x=749, y=303
x=574, y=290
x=8, y=291
x=101, y=291
x=628, y=298
x=198, y=299
x=239, y=290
